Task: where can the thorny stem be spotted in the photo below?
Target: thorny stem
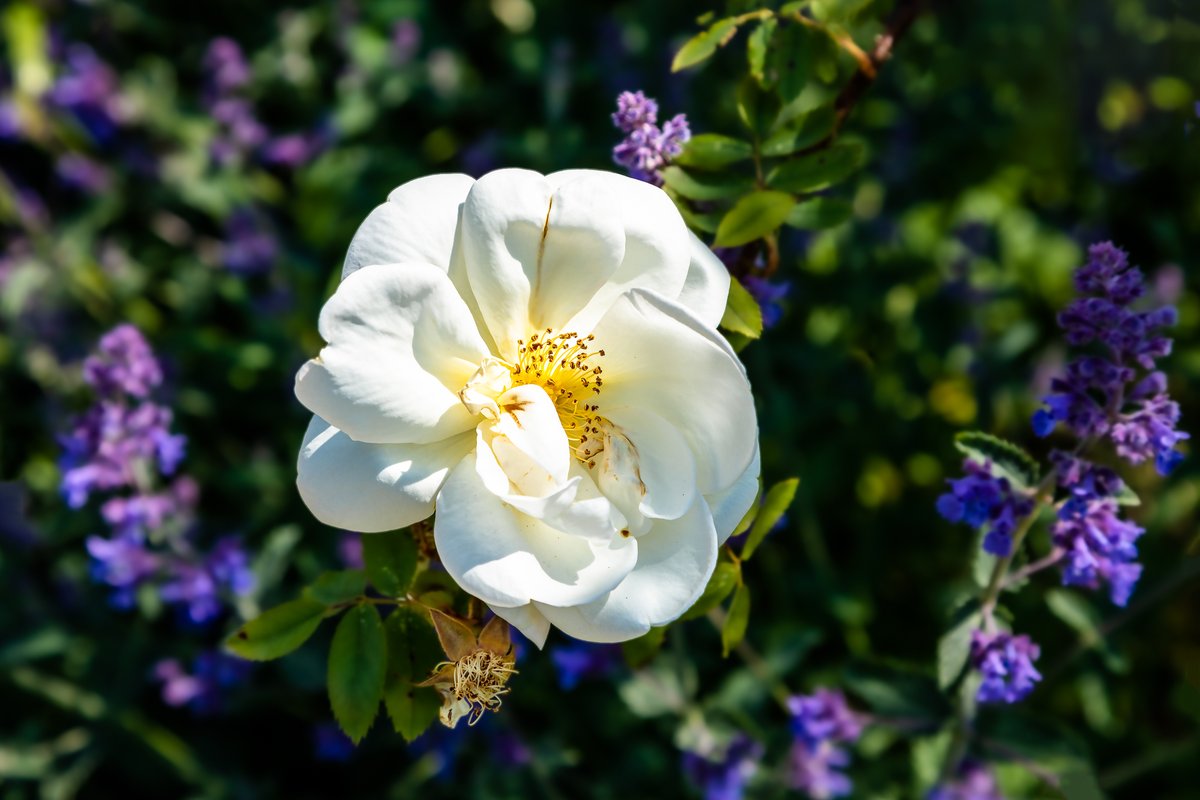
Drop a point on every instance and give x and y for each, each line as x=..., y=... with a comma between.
x=869, y=63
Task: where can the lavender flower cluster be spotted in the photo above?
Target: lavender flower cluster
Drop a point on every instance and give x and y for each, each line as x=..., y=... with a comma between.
x=122, y=446
x=822, y=723
x=722, y=773
x=646, y=148
x=982, y=499
x=973, y=781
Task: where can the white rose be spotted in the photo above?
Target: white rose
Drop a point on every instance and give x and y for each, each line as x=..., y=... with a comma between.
x=537, y=358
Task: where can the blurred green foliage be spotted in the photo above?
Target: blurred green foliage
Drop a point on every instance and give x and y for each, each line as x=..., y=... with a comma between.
x=999, y=140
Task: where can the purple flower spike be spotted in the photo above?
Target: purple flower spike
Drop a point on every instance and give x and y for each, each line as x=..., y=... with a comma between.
x=646, y=148
x=820, y=722
x=1006, y=663
x=725, y=776
x=974, y=781
x=979, y=498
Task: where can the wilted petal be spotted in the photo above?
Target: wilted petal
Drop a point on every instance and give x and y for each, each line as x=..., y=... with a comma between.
x=507, y=558
x=415, y=226
x=367, y=487
x=660, y=357
x=401, y=345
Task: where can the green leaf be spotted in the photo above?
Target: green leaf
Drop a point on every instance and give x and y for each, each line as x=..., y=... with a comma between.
x=1077, y=779
x=332, y=588
x=954, y=648
x=391, y=561
x=898, y=692
x=705, y=186
x=1075, y=610
x=818, y=213
x=357, y=667
x=774, y=506
x=753, y=217
x=742, y=313
x=1006, y=459
x=928, y=755
x=713, y=151
x=704, y=44
x=758, y=45
x=818, y=170
x=791, y=59
x=734, y=629
x=724, y=579
x=812, y=128
x=751, y=513
x=1127, y=497
x=642, y=650
x=277, y=631
x=697, y=221
x=412, y=653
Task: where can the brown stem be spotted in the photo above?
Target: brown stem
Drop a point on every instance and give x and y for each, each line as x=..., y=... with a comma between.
x=905, y=14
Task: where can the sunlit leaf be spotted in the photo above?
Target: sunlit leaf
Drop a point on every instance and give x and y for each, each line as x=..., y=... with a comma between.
x=713, y=151
x=1006, y=460
x=704, y=186
x=774, y=506
x=736, y=622
x=818, y=170
x=704, y=44
x=742, y=312
x=753, y=217
x=277, y=631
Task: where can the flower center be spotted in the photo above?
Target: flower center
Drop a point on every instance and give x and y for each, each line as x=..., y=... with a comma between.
x=571, y=374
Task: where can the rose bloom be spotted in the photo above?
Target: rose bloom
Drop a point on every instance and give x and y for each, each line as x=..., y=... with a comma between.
x=536, y=358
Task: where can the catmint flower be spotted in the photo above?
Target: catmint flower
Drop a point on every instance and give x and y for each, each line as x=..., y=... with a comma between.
x=646, y=148
x=1098, y=546
x=123, y=563
x=770, y=296
x=199, y=588
x=88, y=89
x=980, y=498
x=226, y=65
x=820, y=722
x=1006, y=664
x=973, y=781
x=1091, y=398
x=250, y=246
x=723, y=776
x=79, y=172
x=579, y=660
x=203, y=690
x=123, y=363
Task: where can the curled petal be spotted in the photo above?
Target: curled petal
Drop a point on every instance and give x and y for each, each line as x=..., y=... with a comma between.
x=416, y=225
x=507, y=558
x=661, y=357
x=706, y=289
x=401, y=345
x=675, y=560
x=367, y=487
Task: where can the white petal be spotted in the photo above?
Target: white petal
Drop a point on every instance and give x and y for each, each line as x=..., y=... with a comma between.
x=529, y=442
x=706, y=289
x=657, y=251
x=659, y=356
x=372, y=487
x=401, y=345
x=729, y=506
x=534, y=256
x=528, y=620
x=507, y=558
x=416, y=225
x=665, y=461
x=675, y=560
